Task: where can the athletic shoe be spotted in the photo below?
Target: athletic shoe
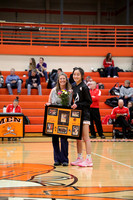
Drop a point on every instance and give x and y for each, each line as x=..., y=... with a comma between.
x=57, y=163
x=76, y=163
x=102, y=137
x=108, y=76
x=64, y=164
x=92, y=136
x=86, y=163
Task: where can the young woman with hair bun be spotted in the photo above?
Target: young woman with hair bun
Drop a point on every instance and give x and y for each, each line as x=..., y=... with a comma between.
x=14, y=107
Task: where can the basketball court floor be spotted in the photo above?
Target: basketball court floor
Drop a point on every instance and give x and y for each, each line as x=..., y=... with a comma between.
x=27, y=172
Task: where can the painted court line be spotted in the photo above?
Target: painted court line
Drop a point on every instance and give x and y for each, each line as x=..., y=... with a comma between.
x=113, y=160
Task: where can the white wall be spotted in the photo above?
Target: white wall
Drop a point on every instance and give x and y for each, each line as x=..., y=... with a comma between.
x=20, y=63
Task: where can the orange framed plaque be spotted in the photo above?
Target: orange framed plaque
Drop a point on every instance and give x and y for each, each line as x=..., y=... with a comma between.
x=62, y=121
x=11, y=125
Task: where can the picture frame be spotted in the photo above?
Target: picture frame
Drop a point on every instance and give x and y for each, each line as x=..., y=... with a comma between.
x=50, y=127
x=62, y=121
x=75, y=114
x=52, y=111
x=63, y=118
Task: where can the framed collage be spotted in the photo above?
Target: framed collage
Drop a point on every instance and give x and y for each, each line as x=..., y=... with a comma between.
x=62, y=121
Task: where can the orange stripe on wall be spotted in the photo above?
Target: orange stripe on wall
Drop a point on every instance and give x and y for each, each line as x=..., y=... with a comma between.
x=65, y=51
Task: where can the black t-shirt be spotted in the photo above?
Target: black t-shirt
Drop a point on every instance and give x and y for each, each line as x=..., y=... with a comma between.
x=34, y=79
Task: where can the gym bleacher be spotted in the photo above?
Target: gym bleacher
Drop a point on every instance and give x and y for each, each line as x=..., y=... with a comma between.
x=33, y=105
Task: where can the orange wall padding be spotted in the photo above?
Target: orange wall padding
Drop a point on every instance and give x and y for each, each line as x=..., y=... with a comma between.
x=65, y=51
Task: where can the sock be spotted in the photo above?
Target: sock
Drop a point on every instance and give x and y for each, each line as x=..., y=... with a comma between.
x=80, y=155
x=88, y=156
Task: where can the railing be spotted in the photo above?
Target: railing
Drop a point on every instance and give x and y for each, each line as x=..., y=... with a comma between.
x=66, y=35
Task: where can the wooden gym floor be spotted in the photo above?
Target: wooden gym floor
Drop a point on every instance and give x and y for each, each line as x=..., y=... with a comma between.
x=27, y=172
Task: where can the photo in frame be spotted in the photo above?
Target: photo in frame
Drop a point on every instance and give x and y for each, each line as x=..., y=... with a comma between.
x=75, y=114
x=75, y=130
x=62, y=121
x=50, y=127
x=62, y=129
x=52, y=111
x=63, y=118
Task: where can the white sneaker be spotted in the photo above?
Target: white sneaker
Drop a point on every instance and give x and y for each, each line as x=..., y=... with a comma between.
x=86, y=163
x=108, y=76
x=115, y=76
x=77, y=162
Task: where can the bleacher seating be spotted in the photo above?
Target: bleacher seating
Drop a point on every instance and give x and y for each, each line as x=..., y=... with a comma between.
x=33, y=106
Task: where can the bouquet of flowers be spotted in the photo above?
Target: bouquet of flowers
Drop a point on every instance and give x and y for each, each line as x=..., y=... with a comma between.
x=64, y=96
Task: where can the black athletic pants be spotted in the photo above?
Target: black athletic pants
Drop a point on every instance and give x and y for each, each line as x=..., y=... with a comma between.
x=95, y=117
x=123, y=123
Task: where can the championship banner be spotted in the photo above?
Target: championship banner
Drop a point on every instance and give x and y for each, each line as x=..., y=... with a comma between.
x=62, y=121
x=11, y=125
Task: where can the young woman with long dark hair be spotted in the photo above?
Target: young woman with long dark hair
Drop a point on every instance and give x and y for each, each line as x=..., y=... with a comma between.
x=82, y=100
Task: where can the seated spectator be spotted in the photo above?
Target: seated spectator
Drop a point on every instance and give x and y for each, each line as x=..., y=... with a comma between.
x=32, y=65
x=94, y=111
x=130, y=104
x=34, y=82
x=42, y=68
x=126, y=92
x=71, y=80
x=121, y=116
x=14, y=108
x=1, y=80
x=88, y=81
x=54, y=77
x=130, y=107
x=108, y=64
x=13, y=81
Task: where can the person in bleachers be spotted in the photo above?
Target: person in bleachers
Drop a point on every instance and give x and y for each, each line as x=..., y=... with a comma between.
x=34, y=82
x=54, y=77
x=32, y=65
x=108, y=64
x=88, y=81
x=13, y=81
x=14, y=107
x=126, y=92
x=130, y=104
x=130, y=107
x=42, y=68
x=1, y=80
x=94, y=111
x=121, y=116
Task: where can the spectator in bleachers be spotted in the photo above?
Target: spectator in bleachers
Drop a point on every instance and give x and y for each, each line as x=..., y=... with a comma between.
x=71, y=80
x=14, y=108
x=54, y=77
x=13, y=81
x=32, y=65
x=34, y=82
x=126, y=92
x=42, y=68
x=121, y=116
x=130, y=107
x=130, y=104
x=94, y=111
x=88, y=81
x=108, y=64
x=1, y=80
